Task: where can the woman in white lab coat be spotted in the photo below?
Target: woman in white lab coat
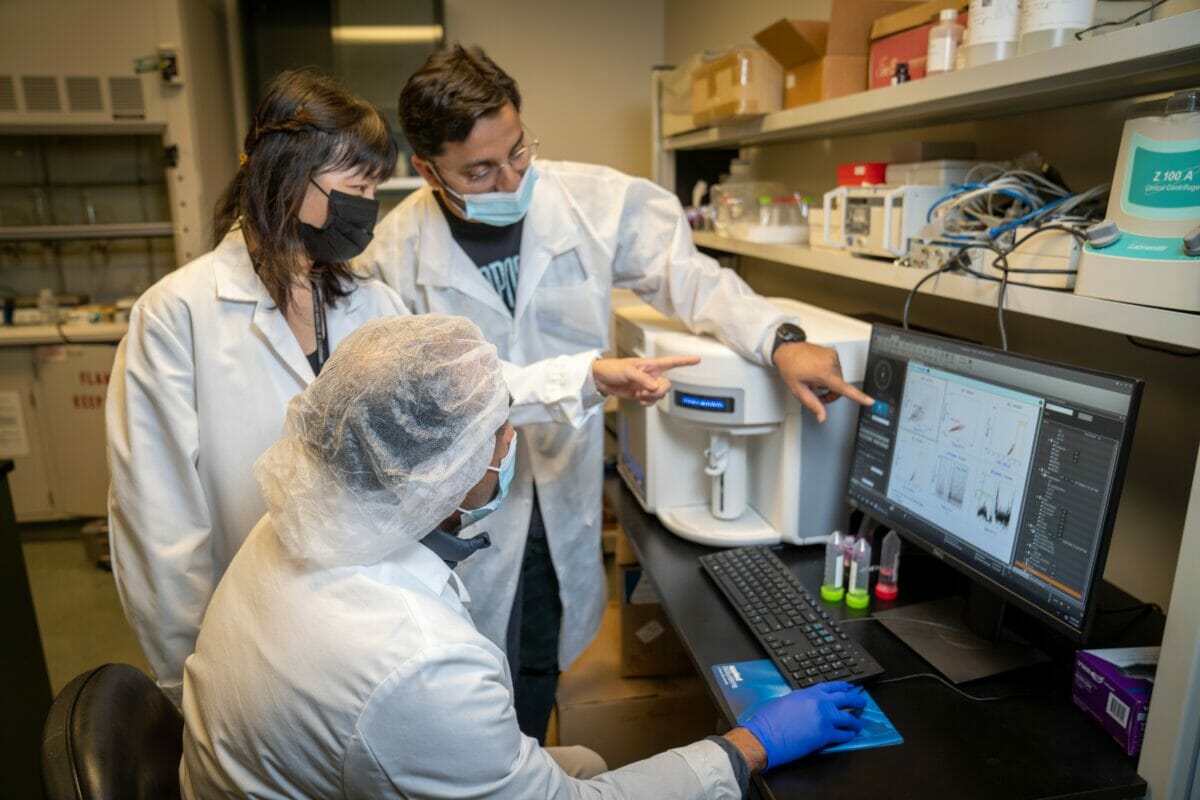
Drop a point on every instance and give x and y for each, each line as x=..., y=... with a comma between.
x=338, y=658
x=217, y=348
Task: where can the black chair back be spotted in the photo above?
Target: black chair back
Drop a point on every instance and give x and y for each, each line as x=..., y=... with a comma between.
x=112, y=733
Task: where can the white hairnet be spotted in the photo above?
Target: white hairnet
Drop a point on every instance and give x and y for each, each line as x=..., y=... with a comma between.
x=387, y=441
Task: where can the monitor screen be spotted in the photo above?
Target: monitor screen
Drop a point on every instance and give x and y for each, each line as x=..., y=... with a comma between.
x=1007, y=467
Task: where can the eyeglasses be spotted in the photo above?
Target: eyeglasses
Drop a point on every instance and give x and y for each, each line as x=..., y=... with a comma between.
x=477, y=178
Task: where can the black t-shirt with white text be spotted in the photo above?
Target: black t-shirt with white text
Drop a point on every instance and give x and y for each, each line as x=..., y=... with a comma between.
x=496, y=251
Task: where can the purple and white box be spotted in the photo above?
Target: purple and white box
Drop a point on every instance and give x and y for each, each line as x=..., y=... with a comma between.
x=1114, y=687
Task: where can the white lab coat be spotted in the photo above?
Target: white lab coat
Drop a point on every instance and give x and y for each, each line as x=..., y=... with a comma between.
x=372, y=682
x=198, y=391
x=588, y=229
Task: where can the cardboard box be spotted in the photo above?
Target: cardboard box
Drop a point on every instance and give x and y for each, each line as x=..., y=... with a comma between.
x=917, y=15
x=649, y=645
x=903, y=37
x=1113, y=687
x=628, y=719
x=823, y=60
x=742, y=83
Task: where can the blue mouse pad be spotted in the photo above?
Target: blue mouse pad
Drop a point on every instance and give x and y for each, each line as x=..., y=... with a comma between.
x=748, y=684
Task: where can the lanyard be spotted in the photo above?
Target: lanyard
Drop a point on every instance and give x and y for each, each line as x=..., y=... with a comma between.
x=319, y=326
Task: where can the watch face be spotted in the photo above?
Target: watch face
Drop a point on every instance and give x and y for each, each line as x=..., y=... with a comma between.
x=787, y=332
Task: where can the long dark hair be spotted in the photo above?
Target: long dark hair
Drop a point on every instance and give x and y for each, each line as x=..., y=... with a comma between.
x=306, y=124
x=452, y=89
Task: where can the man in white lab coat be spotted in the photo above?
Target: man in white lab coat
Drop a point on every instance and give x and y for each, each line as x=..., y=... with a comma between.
x=338, y=658
x=531, y=250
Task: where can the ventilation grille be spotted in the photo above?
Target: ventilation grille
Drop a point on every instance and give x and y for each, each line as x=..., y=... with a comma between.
x=8, y=93
x=41, y=93
x=83, y=94
x=126, y=96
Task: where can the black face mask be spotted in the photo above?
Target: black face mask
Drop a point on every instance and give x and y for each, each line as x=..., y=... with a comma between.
x=347, y=231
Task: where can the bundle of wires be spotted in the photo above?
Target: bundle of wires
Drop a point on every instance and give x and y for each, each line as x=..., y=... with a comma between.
x=986, y=210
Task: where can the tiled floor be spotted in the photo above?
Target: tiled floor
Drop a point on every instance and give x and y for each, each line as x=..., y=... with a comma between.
x=79, y=613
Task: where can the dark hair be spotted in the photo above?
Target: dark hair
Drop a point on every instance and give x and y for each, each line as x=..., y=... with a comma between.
x=306, y=124
x=454, y=87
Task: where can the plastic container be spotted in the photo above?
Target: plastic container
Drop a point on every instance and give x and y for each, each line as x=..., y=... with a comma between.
x=944, y=39
x=858, y=593
x=1051, y=23
x=887, y=587
x=781, y=220
x=736, y=207
x=48, y=306
x=832, y=588
x=993, y=28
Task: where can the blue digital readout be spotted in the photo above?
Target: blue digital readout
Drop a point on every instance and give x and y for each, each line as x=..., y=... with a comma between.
x=700, y=402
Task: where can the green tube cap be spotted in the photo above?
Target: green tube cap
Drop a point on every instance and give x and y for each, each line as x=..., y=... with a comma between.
x=832, y=594
x=858, y=599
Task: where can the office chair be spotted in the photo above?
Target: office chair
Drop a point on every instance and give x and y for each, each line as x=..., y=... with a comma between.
x=112, y=733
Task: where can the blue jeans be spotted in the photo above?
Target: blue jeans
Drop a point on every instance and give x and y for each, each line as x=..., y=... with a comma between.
x=533, y=628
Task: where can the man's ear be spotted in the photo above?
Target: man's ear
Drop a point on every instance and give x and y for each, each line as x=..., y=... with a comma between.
x=425, y=170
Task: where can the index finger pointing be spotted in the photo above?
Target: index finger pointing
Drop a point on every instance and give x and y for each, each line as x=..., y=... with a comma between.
x=657, y=366
x=845, y=389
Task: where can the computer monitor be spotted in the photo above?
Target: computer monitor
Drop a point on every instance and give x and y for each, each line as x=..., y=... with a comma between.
x=1006, y=467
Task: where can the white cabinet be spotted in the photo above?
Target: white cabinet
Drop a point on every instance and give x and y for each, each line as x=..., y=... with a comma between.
x=22, y=438
x=73, y=380
x=53, y=383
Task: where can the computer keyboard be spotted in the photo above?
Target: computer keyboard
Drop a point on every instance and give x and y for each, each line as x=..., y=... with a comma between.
x=805, y=644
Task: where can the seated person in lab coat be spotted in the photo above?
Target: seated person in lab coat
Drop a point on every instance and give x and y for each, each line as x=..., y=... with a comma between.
x=338, y=657
x=531, y=250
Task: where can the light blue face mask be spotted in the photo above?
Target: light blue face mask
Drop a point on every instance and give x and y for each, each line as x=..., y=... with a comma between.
x=507, y=467
x=499, y=208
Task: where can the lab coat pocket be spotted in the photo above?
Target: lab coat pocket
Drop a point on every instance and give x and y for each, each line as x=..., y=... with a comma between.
x=571, y=318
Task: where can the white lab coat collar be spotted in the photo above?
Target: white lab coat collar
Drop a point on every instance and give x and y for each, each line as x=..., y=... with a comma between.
x=237, y=282
x=549, y=231
x=423, y=564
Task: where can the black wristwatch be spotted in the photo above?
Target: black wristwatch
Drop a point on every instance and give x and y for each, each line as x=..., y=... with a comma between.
x=786, y=333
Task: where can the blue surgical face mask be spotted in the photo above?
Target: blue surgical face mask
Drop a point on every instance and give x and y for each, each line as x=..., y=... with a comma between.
x=507, y=467
x=498, y=208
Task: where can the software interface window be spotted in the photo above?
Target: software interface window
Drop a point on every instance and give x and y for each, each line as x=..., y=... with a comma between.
x=1004, y=464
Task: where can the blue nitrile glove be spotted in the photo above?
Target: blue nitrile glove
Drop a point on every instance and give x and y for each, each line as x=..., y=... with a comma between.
x=806, y=720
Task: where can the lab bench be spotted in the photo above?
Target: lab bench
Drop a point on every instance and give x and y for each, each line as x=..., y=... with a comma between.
x=53, y=382
x=1034, y=743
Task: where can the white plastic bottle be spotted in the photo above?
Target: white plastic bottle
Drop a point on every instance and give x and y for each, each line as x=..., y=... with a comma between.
x=992, y=31
x=48, y=306
x=944, y=39
x=1052, y=23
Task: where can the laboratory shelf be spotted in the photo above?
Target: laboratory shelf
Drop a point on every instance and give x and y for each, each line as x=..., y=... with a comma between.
x=1170, y=327
x=68, y=333
x=1157, y=56
x=405, y=184
x=60, y=233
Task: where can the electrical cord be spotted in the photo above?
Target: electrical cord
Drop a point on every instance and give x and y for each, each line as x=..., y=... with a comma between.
x=1130, y=18
x=967, y=695
x=947, y=267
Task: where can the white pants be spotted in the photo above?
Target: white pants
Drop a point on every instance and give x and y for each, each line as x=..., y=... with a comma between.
x=578, y=761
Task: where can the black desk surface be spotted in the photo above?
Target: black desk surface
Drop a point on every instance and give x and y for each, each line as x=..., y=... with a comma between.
x=1035, y=744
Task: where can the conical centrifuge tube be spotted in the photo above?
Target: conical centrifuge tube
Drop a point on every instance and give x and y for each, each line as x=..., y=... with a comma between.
x=888, y=584
x=832, y=590
x=857, y=591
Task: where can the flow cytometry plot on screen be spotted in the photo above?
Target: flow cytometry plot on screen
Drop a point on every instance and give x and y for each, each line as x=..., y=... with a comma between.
x=994, y=501
x=922, y=409
x=951, y=482
x=1006, y=435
